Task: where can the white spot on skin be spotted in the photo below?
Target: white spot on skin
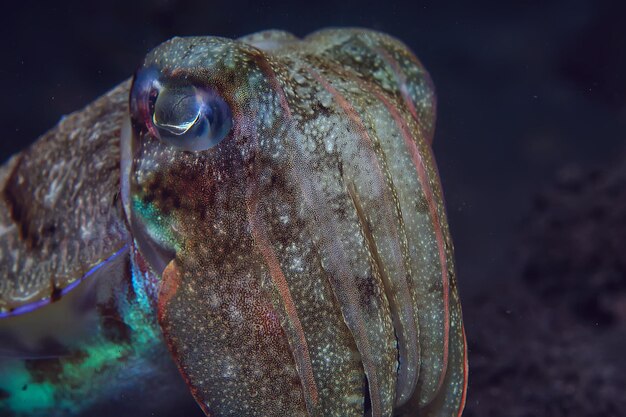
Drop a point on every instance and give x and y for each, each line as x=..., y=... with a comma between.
x=50, y=198
x=4, y=229
x=329, y=142
x=86, y=231
x=214, y=301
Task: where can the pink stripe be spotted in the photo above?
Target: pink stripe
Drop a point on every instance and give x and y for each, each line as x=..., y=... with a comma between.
x=400, y=79
x=302, y=356
x=402, y=85
x=465, y=372
x=423, y=178
x=408, y=345
x=361, y=334
x=301, y=351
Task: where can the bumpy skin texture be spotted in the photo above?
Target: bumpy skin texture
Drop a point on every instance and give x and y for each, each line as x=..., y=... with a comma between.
x=59, y=212
x=305, y=261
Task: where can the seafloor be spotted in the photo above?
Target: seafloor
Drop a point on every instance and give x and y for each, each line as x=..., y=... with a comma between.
x=549, y=338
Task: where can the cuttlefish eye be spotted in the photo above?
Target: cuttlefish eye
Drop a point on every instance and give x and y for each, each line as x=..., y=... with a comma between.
x=190, y=118
x=180, y=114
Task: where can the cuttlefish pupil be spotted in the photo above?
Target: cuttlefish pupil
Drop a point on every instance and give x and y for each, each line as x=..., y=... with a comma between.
x=178, y=110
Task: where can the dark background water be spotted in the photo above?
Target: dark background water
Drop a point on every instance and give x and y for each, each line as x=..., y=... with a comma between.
x=530, y=94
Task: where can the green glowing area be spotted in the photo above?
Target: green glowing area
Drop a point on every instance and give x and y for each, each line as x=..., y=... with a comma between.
x=25, y=396
x=97, y=368
x=158, y=226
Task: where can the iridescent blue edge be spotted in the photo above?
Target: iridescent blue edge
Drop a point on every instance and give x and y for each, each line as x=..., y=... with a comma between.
x=27, y=308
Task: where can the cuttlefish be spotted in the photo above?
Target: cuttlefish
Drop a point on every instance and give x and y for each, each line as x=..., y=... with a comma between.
x=262, y=216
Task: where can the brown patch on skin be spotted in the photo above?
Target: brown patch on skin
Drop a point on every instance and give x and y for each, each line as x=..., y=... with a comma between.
x=319, y=109
x=159, y=191
x=77, y=357
x=367, y=290
x=188, y=189
x=44, y=370
x=113, y=326
x=20, y=209
x=182, y=190
x=17, y=209
x=55, y=293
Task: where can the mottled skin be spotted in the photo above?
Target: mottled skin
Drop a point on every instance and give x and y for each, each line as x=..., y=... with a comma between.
x=302, y=266
x=99, y=347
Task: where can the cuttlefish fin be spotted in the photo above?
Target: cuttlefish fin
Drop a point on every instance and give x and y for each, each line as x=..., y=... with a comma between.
x=61, y=214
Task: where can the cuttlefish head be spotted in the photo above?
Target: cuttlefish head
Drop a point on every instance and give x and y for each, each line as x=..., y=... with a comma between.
x=199, y=108
x=285, y=193
x=207, y=123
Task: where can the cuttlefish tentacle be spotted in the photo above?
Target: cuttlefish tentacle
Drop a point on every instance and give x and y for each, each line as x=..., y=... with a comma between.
x=450, y=400
x=287, y=188
x=380, y=230
x=435, y=339
x=418, y=193
x=336, y=241
x=297, y=339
